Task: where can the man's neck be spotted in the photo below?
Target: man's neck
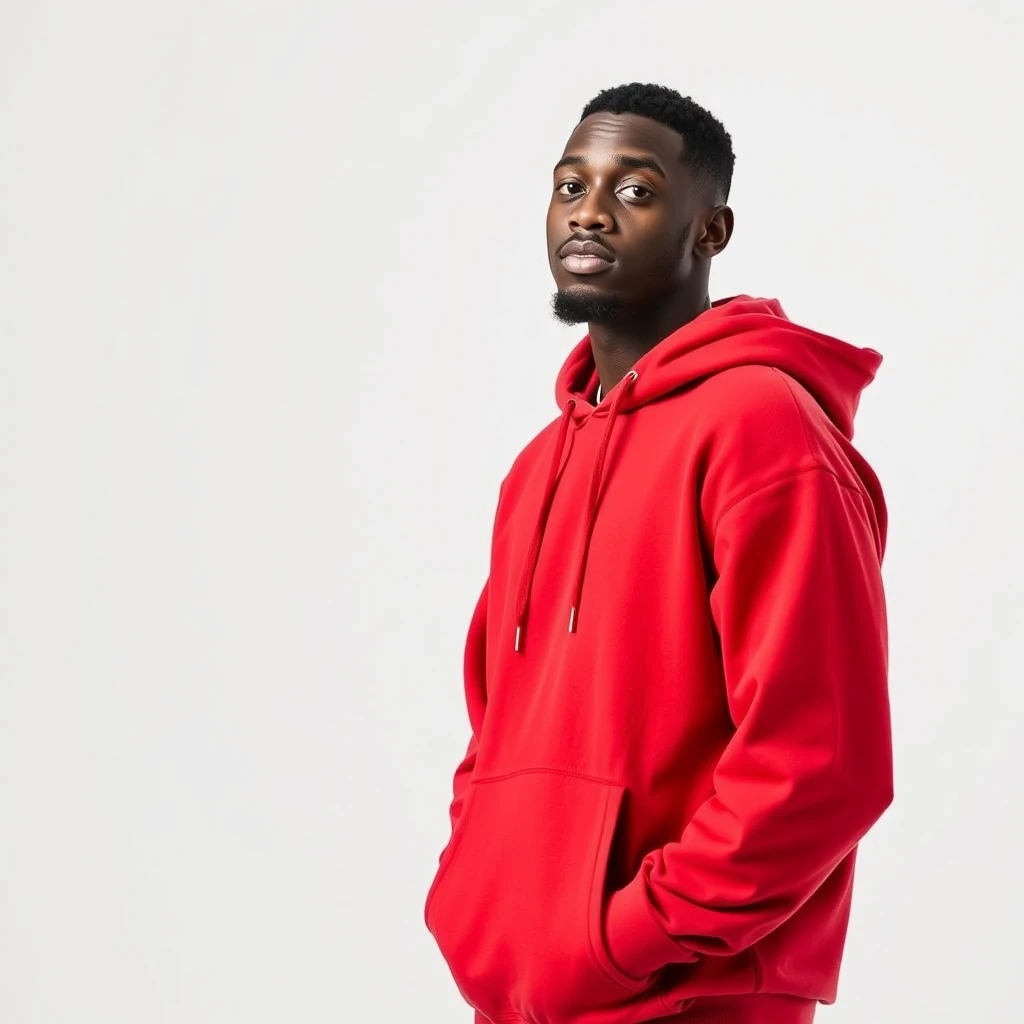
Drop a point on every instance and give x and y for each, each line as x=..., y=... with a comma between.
x=618, y=347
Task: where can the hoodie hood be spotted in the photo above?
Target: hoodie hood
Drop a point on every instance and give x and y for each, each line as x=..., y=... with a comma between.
x=739, y=331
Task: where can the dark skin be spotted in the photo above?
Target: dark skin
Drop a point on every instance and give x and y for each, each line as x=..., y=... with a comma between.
x=622, y=182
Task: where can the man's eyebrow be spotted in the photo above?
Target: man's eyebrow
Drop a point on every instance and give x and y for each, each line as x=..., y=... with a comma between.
x=637, y=163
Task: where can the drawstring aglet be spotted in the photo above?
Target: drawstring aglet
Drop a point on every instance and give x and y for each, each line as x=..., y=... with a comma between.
x=519, y=638
x=572, y=620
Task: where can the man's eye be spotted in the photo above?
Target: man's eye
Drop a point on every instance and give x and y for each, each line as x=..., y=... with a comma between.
x=567, y=188
x=636, y=191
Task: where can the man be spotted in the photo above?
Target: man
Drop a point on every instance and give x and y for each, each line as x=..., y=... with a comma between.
x=676, y=675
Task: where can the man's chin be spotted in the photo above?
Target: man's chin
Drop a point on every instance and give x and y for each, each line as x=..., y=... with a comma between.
x=581, y=304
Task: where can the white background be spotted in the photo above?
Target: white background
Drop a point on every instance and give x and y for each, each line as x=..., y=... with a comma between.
x=274, y=321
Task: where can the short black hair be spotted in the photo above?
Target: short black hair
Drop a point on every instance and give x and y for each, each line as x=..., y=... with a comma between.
x=708, y=146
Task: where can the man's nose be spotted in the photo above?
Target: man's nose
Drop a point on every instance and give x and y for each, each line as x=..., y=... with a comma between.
x=590, y=215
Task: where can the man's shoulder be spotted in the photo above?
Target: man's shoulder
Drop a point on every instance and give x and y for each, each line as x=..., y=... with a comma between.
x=749, y=396
x=760, y=424
x=766, y=408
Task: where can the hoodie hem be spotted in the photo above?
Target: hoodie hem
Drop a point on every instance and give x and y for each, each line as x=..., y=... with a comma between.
x=752, y=1009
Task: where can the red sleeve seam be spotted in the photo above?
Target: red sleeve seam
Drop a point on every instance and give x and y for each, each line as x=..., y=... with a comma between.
x=786, y=477
x=799, y=412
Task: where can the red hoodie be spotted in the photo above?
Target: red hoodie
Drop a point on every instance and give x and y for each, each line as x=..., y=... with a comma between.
x=676, y=678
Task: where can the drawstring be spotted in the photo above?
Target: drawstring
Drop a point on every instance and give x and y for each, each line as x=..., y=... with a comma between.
x=526, y=583
x=595, y=490
x=533, y=554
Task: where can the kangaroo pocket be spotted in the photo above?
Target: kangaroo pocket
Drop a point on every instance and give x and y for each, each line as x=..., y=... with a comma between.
x=517, y=903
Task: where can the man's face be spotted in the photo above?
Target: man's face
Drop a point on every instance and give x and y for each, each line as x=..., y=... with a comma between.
x=622, y=212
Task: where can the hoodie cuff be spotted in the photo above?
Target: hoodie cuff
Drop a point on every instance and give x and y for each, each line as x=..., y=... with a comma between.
x=637, y=944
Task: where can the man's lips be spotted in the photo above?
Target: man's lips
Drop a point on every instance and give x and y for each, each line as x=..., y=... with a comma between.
x=575, y=247
x=585, y=257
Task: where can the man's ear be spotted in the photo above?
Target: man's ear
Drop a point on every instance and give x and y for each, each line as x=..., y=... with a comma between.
x=717, y=231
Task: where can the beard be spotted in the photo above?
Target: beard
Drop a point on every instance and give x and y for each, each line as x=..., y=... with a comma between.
x=577, y=307
x=579, y=304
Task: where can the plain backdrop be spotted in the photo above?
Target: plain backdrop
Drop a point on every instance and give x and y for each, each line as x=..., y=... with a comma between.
x=274, y=321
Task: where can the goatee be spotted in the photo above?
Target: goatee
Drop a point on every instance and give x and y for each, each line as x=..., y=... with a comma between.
x=572, y=307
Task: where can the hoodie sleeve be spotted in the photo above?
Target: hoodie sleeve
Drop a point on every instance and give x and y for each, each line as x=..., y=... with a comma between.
x=474, y=674
x=799, y=608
